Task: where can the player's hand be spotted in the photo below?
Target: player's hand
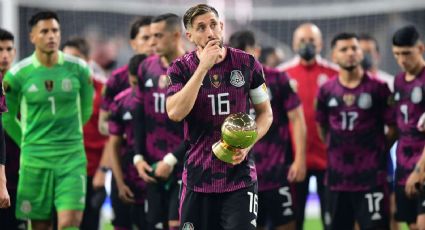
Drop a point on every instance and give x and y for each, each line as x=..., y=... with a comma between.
x=4, y=197
x=210, y=54
x=143, y=168
x=99, y=180
x=421, y=123
x=297, y=172
x=411, y=182
x=125, y=193
x=240, y=155
x=163, y=170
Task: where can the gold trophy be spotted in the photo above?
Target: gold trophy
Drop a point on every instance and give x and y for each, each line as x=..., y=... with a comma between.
x=238, y=131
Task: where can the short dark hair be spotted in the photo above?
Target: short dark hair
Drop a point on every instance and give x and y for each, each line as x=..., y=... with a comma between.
x=265, y=52
x=195, y=11
x=172, y=21
x=406, y=36
x=133, y=64
x=368, y=37
x=342, y=36
x=137, y=23
x=42, y=15
x=242, y=39
x=6, y=35
x=78, y=43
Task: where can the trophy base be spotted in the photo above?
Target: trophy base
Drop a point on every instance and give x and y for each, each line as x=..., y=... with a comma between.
x=223, y=151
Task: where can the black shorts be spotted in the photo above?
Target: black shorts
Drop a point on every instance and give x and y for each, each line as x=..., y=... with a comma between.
x=228, y=211
x=370, y=209
x=407, y=209
x=162, y=204
x=276, y=207
x=126, y=215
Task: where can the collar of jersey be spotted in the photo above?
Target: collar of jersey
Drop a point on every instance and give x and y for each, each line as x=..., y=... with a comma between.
x=37, y=63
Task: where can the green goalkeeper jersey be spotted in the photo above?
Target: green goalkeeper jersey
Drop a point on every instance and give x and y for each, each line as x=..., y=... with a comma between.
x=53, y=103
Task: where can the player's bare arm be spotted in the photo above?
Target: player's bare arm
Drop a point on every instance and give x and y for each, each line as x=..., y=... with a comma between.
x=298, y=169
x=103, y=122
x=124, y=191
x=4, y=195
x=263, y=119
x=322, y=131
x=181, y=103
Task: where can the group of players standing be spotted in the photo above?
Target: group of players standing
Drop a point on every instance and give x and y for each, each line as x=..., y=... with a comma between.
x=163, y=112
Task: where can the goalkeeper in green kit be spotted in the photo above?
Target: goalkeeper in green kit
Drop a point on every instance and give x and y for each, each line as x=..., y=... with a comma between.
x=53, y=94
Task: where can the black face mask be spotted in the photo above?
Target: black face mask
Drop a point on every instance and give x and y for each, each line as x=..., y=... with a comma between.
x=367, y=61
x=110, y=65
x=307, y=51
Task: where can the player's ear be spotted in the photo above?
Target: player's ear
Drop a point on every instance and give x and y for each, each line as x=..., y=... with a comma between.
x=333, y=56
x=221, y=25
x=133, y=44
x=421, y=47
x=189, y=35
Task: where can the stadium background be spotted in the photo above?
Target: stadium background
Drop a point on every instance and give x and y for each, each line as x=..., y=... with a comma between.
x=105, y=23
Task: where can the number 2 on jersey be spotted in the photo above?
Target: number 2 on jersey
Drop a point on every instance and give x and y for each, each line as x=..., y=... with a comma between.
x=52, y=103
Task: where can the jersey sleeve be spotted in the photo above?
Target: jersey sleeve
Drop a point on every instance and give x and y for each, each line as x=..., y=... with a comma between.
x=2, y=146
x=291, y=99
x=257, y=74
x=11, y=124
x=86, y=94
x=115, y=123
x=139, y=129
x=321, y=108
x=176, y=78
x=108, y=93
x=388, y=105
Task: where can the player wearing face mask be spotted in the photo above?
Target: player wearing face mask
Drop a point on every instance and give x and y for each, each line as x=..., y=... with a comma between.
x=308, y=71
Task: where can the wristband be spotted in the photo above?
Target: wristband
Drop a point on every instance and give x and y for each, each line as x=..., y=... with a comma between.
x=170, y=159
x=103, y=169
x=137, y=158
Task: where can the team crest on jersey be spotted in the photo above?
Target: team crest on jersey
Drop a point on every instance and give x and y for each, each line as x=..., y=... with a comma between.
x=163, y=81
x=365, y=101
x=215, y=80
x=397, y=96
x=26, y=206
x=49, y=85
x=416, y=95
x=236, y=78
x=188, y=226
x=66, y=85
x=5, y=87
x=349, y=99
x=321, y=79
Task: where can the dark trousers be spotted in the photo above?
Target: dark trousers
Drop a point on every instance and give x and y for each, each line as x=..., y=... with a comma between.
x=94, y=201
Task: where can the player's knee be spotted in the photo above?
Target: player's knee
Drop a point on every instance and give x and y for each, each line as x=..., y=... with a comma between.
x=173, y=224
x=69, y=223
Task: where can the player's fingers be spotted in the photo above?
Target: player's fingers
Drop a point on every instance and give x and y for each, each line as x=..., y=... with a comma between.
x=147, y=167
x=291, y=176
x=3, y=203
x=149, y=179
